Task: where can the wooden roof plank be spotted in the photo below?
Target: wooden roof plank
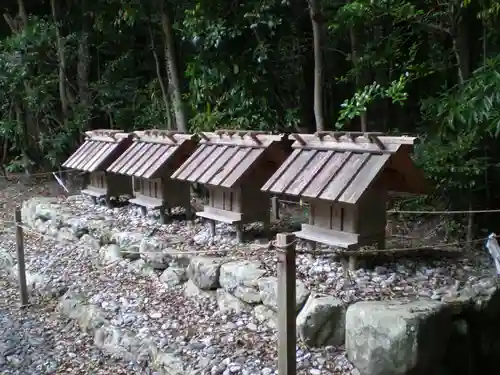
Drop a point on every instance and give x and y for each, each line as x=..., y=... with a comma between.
x=119, y=163
x=231, y=165
x=80, y=161
x=195, y=163
x=97, y=156
x=130, y=162
x=346, y=174
x=210, y=158
x=327, y=174
x=179, y=173
x=156, y=166
x=218, y=164
x=144, y=162
x=307, y=176
x=76, y=154
x=80, y=153
x=296, y=168
x=156, y=160
x=143, y=159
x=98, y=163
x=364, y=179
x=269, y=185
x=244, y=165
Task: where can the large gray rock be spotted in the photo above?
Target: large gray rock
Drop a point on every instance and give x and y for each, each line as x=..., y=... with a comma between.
x=240, y=278
x=66, y=234
x=159, y=255
x=129, y=242
x=268, y=287
x=265, y=315
x=78, y=226
x=229, y=303
x=192, y=291
x=173, y=276
x=142, y=267
x=204, y=272
x=110, y=254
x=45, y=208
x=393, y=338
x=118, y=341
x=89, y=241
x=322, y=321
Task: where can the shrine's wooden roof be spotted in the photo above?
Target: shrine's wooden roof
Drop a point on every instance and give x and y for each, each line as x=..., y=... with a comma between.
x=100, y=149
x=224, y=157
x=152, y=152
x=341, y=167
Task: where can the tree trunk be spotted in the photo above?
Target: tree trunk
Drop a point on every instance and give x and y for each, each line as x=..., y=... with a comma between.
x=173, y=72
x=303, y=35
x=83, y=68
x=62, y=65
x=354, y=56
x=160, y=77
x=317, y=26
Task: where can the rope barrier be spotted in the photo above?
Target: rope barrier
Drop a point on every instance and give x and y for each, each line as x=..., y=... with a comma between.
x=60, y=171
x=394, y=212
x=269, y=245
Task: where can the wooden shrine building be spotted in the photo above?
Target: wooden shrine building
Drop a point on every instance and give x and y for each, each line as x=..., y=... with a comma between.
x=345, y=179
x=233, y=165
x=94, y=156
x=151, y=159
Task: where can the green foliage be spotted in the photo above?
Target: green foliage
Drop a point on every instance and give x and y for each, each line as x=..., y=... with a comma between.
x=357, y=105
x=461, y=154
x=249, y=65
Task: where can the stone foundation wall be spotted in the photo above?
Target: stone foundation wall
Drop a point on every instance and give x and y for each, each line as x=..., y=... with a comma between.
x=460, y=335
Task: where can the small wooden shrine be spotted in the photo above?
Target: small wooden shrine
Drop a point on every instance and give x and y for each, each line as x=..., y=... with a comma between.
x=100, y=149
x=345, y=179
x=233, y=165
x=153, y=156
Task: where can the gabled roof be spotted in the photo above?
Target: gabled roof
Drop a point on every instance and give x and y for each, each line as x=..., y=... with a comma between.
x=224, y=157
x=340, y=167
x=100, y=149
x=151, y=152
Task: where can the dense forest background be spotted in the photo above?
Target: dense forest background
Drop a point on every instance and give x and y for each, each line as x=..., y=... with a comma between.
x=422, y=67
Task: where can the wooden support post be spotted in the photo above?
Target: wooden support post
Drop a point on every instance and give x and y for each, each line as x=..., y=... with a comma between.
x=21, y=266
x=311, y=245
x=109, y=202
x=144, y=211
x=287, y=340
x=470, y=226
x=239, y=232
x=353, y=263
x=275, y=209
x=211, y=226
x=85, y=180
x=189, y=211
x=163, y=215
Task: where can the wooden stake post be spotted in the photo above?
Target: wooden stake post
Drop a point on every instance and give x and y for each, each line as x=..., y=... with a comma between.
x=21, y=267
x=285, y=244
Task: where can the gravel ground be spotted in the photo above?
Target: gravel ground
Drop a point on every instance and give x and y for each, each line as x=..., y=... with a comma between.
x=195, y=329
x=36, y=339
